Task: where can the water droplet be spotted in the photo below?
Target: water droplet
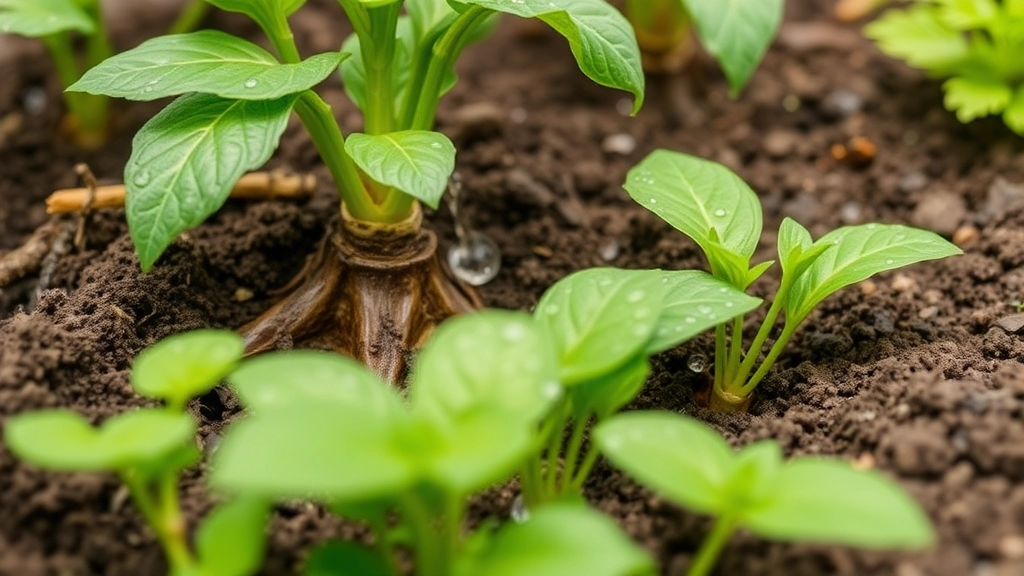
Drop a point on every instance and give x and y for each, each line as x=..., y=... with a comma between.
x=477, y=261
x=697, y=363
x=250, y=83
x=642, y=330
x=641, y=313
x=720, y=212
x=690, y=319
x=519, y=512
x=435, y=145
x=635, y=296
x=513, y=332
x=147, y=89
x=552, y=390
x=723, y=289
x=653, y=200
x=141, y=177
x=703, y=309
x=890, y=261
x=605, y=282
x=728, y=304
x=613, y=441
x=152, y=82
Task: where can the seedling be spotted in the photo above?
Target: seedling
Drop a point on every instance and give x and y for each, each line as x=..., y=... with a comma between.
x=976, y=46
x=806, y=499
x=604, y=324
x=736, y=32
x=323, y=426
x=149, y=448
x=719, y=212
x=379, y=271
x=57, y=23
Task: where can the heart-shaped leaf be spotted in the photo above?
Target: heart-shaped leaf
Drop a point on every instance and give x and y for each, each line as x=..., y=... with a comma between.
x=186, y=159
x=186, y=365
x=416, y=162
x=207, y=62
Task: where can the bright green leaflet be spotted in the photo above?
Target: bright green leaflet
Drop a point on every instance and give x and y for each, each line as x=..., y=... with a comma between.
x=693, y=466
x=231, y=540
x=558, y=540
x=919, y=37
x=737, y=33
x=208, y=62
x=976, y=97
x=186, y=159
x=600, y=318
x=1014, y=114
x=415, y=162
x=186, y=365
x=601, y=39
x=269, y=14
x=64, y=440
x=37, y=18
x=493, y=357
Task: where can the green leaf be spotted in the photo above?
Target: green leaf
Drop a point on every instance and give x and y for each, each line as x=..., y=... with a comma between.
x=797, y=250
x=863, y=508
x=557, y=540
x=305, y=450
x=968, y=14
x=416, y=162
x=353, y=70
x=1014, y=114
x=601, y=39
x=231, y=540
x=600, y=318
x=707, y=202
x=737, y=33
x=974, y=98
x=207, y=62
x=860, y=252
x=269, y=14
x=300, y=377
x=676, y=456
x=339, y=558
x=753, y=477
x=186, y=365
x=919, y=36
x=694, y=302
x=186, y=159
x=64, y=440
x=37, y=18
x=493, y=358
x=426, y=15
x=608, y=393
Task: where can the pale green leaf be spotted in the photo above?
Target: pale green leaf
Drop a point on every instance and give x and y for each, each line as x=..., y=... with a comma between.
x=231, y=540
x=694, y=302
x=186, y=159
x=559, y=540
x=974, y=98
x=600, y=318
x=679, y=457
x=601, y=38
x=816, y=500
x=797, y=250
x=919, y=36
x=269, y=14
x=207, y=62
x=186, y=365
x=858, y=253
x=493, y=358
x=608, y=393
x=416, y=162
x=37, y=18
x=737, y=33
x=968, y=14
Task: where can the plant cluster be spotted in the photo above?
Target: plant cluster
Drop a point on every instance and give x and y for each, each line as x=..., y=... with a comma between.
x=718, y=211
x=57, y=23
x=975, y=45
x=736, y=32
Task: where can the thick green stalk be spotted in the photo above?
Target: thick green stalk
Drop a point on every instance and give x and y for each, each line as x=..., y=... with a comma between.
x=721, y=356
x=762, y=335
x=427, y=545
x=190, y=18
x=424, y=55
x=769, y=360
x=712, y=547
x=572, y=454
x=446, y=51
x=584, y=469
x=89, y=111
x=735, y=349
x=378, y=61
x=163, y=515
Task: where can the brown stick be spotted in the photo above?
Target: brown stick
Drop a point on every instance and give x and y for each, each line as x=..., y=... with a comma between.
x=252, y=186
x=22, y=261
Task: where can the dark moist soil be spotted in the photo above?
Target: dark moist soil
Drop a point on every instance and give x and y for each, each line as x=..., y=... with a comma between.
x=916, y=373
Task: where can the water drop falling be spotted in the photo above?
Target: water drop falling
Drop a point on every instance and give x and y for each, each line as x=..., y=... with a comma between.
x=250, y=83
x=720, y=212
x=141, y=177
x=519, y=512
x=476, y=260
x=697, y=363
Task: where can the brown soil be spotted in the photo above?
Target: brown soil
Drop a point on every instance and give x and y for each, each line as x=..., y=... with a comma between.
x=909, y=373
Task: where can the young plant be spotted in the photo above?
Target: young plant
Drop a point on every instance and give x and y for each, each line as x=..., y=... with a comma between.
x=604, y=325
x=56, y=23
x=379, y=271
x=719, y=212
x=150, y=447
x=324, y=426
x=976, y=45
x=736, y=32
x=806, y=499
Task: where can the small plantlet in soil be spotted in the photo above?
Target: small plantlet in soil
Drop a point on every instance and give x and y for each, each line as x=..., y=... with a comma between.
x=718, y=211
x=378, y=270
x=806, y=499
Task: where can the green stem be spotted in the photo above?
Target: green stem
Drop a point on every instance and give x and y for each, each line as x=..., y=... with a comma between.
x=583, y=471
x=446, y=51
x=451, y=532
x=712, y=547
x=385, y=547
x=721, y=355
x=422, y=58
x=762, y=335
x=769, y=360
x=554, y=450
x=190, y=18
x=735, y=348
x=425, y=539
x=378, y=60
x=163, y=514
x=572, y=455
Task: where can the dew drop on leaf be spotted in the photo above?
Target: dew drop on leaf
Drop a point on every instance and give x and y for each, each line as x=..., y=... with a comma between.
x=635, y=296
x=720, y=212
x=250, y=83
x=141, y=177
x=519, y=512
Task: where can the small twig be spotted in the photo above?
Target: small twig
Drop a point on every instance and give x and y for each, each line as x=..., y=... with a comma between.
x=25, y=260
x=89, y=179
x=252, y=186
